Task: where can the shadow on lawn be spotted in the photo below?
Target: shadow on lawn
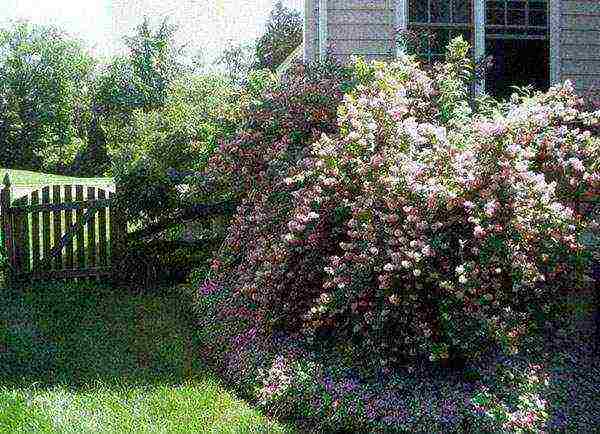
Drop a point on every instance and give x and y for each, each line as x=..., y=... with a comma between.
x=74, y=335
x=110, y=354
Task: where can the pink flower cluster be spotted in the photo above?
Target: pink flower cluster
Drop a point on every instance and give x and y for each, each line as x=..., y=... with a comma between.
x=413, y=231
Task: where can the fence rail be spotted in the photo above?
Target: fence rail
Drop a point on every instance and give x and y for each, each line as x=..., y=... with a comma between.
x=74, y=231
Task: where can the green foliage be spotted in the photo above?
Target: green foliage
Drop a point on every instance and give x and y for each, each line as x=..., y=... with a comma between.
x=238, y=61
x=139, y=81
x=142, y=78
x=282, y=36
x=3, y=254
x=44, y=77
x=146, y=147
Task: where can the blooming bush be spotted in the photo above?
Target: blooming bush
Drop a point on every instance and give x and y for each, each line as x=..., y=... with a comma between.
x=426, y=225
x=395, y=220
x=280, y=126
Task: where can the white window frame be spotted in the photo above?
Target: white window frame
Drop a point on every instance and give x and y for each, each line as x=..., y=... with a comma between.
x=400, y=24
x=554, y=30
x=323, y=30
x=479, y=38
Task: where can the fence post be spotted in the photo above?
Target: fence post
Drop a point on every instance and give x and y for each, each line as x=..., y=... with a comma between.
x=5, y=219
x=118, y=234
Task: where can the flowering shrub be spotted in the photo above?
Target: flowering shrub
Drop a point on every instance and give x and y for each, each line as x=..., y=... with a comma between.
x=281, y=124
x=422, y=225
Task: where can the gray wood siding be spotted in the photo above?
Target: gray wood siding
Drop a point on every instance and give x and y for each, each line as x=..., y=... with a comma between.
x=580, y=44
x=355, y=27
x=310, y=29
x=363, y=28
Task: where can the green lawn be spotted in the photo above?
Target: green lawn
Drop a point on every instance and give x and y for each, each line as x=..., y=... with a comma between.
x=87, y=358
x=25, y=178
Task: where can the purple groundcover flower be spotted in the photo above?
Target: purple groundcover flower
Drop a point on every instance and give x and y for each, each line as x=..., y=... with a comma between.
x=559, y=419
x=244, y=338
x=348, y=385
x=398, y=418
x=209, y=287
x=449, y=411
x=328, y=383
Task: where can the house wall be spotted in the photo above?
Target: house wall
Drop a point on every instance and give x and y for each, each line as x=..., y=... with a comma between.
x=311, y=29
x=354, y=27
x=580, y=44
x=366, y=27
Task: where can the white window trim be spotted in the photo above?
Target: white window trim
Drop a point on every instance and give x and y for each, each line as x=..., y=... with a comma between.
x=308, y=17
x=323, y=31
x=554, y=30
x=479, y=38
x=400, y=24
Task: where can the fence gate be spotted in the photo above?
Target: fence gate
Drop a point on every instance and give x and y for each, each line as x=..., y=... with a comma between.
x=60, y=232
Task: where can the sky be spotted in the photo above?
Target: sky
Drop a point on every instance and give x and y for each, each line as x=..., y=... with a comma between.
x=206, y=25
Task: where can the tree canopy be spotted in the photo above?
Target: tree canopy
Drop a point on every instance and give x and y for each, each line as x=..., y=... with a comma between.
x=45, y=75
x=282, y=36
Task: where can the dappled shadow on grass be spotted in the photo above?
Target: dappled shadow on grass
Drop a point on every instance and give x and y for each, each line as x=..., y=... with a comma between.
x=72, y=335
x=67, y=351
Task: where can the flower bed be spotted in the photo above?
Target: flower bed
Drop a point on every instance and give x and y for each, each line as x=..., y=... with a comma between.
x=550, y=385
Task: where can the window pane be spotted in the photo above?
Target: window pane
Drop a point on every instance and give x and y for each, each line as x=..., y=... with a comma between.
x=418, y=11
x=462, y=11
x=516, y=17
x=440, y=11
x=516, y=4
x=442, y=38
x=517, y=63
x=495, y=12
x=538, y=13
x=440, y=41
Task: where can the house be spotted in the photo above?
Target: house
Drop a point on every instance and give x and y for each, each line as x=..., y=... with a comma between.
x=538, y=42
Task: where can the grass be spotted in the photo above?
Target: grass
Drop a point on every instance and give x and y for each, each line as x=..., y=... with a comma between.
x=26, y=178
x=87, y=358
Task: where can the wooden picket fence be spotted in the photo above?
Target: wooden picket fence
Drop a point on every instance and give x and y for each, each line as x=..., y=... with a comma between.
x=60, y=232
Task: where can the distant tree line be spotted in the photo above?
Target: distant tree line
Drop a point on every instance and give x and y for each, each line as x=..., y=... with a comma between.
x=61, y=111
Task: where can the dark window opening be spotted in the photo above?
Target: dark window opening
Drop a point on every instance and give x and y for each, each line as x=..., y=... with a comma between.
x=517, y=62
x=517, y=39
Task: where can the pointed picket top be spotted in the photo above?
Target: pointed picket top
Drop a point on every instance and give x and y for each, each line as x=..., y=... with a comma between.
x=6, y=180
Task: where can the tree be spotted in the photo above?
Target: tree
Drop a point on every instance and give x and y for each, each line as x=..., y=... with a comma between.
x=238, y=61
x=283, y=35
x=44, y=82
x=138, y=81
x=141, y=79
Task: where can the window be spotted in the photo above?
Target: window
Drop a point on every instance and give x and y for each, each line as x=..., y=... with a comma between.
x=442, y=21
x=517, y=39
x=516, y=36
x=522, y=18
